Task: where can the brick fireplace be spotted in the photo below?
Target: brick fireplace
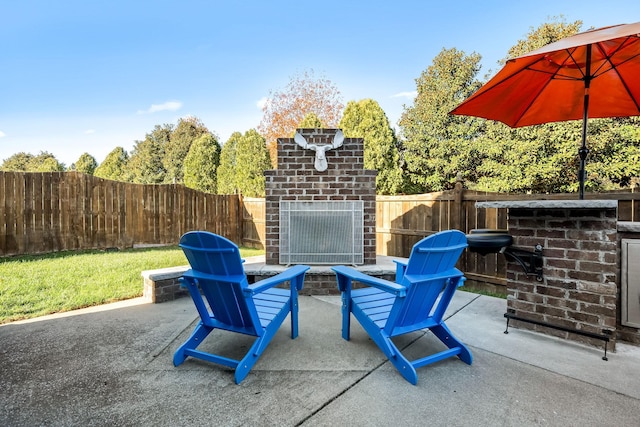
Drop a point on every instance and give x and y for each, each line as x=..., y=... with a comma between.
x=297, y=182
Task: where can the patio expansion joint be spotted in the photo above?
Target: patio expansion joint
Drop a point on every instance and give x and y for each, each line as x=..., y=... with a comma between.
x=463, y=307
x=375, y=368
x=339, y=394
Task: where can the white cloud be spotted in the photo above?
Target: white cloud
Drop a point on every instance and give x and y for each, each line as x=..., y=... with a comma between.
x=2, y=134
x=166, y=106
x=262, y=102
x=89, y=131
x=408, y=95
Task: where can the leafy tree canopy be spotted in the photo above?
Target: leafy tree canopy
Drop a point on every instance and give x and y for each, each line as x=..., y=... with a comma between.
x=176, y=148
x=366, y=119
x=614, y=158
x=547, y=33
x=252, y=159
x=146, y=162
x=311, y=121
x=48, y=164
x=17, y=162
x=201, y=164
x=86, y=163
x=227, y=179
x=437, y=146
x=26, y=162
x=114, y=166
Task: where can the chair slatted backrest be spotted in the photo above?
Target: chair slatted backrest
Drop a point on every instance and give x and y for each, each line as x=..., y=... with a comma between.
x=431, y=263
x=217, y=265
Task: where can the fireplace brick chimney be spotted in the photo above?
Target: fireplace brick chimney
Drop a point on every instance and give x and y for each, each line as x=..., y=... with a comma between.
x=296, y=179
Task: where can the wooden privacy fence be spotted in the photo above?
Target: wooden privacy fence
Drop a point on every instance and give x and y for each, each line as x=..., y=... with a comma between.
x=48, y=212
x=253, y=222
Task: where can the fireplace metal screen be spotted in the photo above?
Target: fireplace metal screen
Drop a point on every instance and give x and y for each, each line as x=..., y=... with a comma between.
x=318, y=232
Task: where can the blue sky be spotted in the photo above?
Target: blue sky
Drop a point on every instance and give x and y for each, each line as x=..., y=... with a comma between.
x=91, y=75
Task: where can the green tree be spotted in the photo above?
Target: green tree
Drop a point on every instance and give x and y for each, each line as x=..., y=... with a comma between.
x=17, y=162
x=201, y=164
x=114, y=166
x=227, y=179
x=614, y=160
x=252, y=159
x=27, y=162
x=188, y=130
x=437, y=146
x=311, y=121
x=365, y=119
x=86, y=163
x=46, y=162
x=532, y=159
x=145, y=166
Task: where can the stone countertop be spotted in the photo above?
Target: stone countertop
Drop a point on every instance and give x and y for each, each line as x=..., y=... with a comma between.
x=549, y=204
x=628, y=226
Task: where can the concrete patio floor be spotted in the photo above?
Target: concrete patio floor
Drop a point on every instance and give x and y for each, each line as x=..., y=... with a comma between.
x=112, y=365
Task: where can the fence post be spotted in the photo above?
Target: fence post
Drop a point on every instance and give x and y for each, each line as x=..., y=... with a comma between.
x=457, y=219
x=240, y=219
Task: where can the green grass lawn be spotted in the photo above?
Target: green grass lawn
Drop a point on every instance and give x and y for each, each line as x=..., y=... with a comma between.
x=35, y=285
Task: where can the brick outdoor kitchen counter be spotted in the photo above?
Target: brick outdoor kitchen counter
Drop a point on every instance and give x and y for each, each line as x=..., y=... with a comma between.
x=579, y=288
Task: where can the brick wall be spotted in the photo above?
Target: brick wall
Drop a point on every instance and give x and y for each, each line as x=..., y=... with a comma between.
x=579, y=289
x=163, y=285
x=296, y=179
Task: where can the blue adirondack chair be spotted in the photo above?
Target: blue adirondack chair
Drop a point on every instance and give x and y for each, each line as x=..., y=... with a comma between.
x=233, y=304
x=386, y=309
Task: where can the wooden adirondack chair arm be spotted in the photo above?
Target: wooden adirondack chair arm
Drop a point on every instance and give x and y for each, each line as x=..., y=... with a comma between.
x=382, y=284
x=453, y=273
x=443, y=248
x=200, y=275
x=287, y=275
x=401, y=267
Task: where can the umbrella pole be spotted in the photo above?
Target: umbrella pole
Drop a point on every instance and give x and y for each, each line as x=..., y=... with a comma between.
x=583, y=151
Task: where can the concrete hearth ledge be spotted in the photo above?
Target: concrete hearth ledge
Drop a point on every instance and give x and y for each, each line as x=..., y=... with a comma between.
x=632, y=227
x=163, y=284
x=256, y=266
x=549, y=204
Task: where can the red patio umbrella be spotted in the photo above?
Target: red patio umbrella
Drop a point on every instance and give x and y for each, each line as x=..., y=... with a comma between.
x=591, y=74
